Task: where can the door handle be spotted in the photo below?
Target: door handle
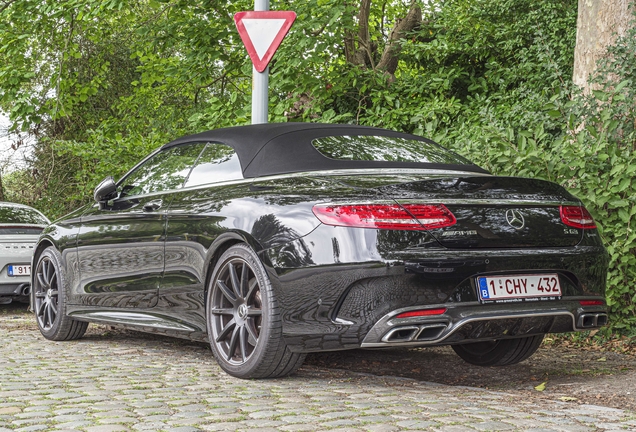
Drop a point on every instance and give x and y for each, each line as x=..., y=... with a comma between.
x=151, y=206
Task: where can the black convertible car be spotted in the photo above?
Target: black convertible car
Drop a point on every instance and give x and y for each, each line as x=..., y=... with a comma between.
x=271, y=241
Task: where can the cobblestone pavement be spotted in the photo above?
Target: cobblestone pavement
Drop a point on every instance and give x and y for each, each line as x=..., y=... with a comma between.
x=100, y=384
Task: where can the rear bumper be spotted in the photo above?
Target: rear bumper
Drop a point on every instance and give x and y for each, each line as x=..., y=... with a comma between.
x=469, y=322
x=339, y=287
x=15, y=289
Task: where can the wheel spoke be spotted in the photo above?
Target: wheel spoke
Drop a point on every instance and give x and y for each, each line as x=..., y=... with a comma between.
x=243, y=342
x=45, y=307
x=41, y=280
x=254, y=312
x=50, y=273
x=244, y=280
x=45, y=273
x=40, y=295
x=53, y=293
x=226, y=330
x=226, y=291
x=253, y=337
x=233, y=342
x=236, y=285
x=49, y=313
x=253, y=284
x=40, y=309
x=53, y=279
x=222, y=311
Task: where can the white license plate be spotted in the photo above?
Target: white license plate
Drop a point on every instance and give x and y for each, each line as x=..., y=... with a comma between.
x=519, y=287
x=19, y=270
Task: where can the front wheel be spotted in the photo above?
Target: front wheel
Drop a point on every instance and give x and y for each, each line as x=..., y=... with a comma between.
x=502, y=352
x=243, y=319
x=49, y=299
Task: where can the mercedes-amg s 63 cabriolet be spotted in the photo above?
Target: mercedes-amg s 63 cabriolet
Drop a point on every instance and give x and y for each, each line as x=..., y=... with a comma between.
x=272, y=241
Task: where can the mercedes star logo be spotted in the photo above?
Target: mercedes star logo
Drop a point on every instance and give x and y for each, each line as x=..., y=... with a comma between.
x=515, y=219
x=242, y=311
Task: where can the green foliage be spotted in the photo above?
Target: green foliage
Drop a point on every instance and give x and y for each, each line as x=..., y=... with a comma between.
x=100, y=83
x=602, y=150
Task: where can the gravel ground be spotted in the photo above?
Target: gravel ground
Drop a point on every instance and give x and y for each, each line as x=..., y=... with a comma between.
x=113, y=380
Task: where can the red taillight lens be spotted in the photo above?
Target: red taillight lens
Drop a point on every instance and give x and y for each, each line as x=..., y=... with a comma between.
x=386, y=216
x=423, y=312
x=592, y=302
x=577, y=217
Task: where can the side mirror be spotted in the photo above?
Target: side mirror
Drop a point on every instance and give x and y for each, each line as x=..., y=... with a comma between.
x=106, y=190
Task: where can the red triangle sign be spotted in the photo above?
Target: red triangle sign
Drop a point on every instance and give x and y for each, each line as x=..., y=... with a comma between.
x=262, y=32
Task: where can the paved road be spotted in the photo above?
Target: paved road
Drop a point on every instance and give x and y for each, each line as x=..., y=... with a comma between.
x=104, y=383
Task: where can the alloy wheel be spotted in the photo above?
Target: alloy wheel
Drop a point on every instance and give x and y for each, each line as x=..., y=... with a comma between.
x=236, y=310
x=46, y=293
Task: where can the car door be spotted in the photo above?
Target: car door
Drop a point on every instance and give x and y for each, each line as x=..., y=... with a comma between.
x=121, y=243
x=195, y=219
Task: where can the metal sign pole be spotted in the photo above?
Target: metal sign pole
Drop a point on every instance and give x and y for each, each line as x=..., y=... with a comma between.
x=260, y=81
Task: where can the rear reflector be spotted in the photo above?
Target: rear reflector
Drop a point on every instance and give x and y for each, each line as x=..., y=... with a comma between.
x=386, y=216
x=577, y=217
x=423, y=312
x=592, y=302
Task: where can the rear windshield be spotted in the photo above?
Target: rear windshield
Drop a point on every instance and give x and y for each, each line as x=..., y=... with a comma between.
x=21, y=215
x=387, y=149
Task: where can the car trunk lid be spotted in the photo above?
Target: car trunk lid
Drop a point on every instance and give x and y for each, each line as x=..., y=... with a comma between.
x=494, y=212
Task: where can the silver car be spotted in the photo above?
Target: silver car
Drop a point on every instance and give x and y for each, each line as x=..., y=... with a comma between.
x=20, y=227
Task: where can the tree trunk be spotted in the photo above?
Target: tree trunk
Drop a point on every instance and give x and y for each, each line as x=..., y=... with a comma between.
x=599, y=23
x=361, y=54
x=361, y=51
x=389, y=61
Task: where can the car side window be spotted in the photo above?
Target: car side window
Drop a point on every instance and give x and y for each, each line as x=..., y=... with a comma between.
x=166, y=170
x=218, y=162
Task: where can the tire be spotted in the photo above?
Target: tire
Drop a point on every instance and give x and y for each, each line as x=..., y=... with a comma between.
x=502, y=352
x=244, y=320
x=49, y=299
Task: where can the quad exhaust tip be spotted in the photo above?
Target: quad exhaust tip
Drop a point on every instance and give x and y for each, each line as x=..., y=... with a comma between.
x=591, y=320
x=424, y=332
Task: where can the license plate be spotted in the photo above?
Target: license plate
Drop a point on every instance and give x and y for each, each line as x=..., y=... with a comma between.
x=19, y=270
x=519, y=287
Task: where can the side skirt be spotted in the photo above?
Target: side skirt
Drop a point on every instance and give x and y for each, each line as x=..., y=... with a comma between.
x=143, y=321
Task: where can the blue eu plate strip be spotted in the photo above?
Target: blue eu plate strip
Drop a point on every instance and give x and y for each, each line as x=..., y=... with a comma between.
x=483, y=289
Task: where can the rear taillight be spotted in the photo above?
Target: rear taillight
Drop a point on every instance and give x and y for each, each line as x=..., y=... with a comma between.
x=386, y=216
x=577, y=217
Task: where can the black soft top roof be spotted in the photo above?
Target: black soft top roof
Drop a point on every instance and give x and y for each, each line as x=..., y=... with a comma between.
x=280, y=148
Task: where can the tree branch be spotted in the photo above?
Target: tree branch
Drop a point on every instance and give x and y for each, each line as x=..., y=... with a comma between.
x=364, y=38
x=389, y=60
x=6, y=5
x=317, y=32
x=360, y=54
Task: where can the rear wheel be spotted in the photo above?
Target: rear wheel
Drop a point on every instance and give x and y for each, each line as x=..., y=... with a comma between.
x=499, y=352
x=243, y=318
x=49, y=299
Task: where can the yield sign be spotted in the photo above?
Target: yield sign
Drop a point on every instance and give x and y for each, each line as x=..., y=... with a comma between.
x=262, y=32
